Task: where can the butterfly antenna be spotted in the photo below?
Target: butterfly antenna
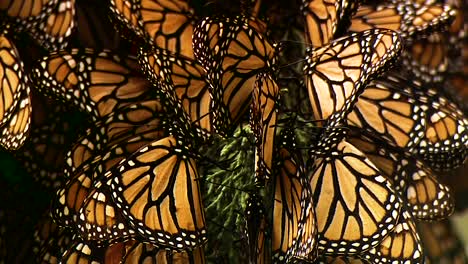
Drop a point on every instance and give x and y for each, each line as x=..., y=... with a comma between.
x=291, y=63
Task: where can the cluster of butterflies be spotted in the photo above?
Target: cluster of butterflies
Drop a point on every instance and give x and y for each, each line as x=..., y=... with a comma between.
x=364, y=187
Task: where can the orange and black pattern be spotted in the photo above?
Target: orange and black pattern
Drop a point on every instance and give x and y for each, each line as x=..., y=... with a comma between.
x=239, y=131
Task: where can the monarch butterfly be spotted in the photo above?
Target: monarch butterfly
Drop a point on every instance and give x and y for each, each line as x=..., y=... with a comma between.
x=126, y=20
x=26, y=10
x=355, y=205
x=49, y=22
x=98, y=220
x=402, y=245
x=427, y=59
x=157, y=190
x=52, y=30
x=137, y=252
x=43, y=155
x=84, y=253
x=444, y=123
x=50, y=241
x=95, y=30
x=52, y=134
x=15, y=104
x=167, y=27
x=83, y=201
x=120, y=125
x=232, y=51
x=98, y=158
x=338, y=72
x=263, y=122
x=98, y=83
x=441, y=243
x=294, y=228
x=14, y=79
x=184, y=85
x=405, y=18
x=390, y=113
x=325, y=19
x=15, y=132
x=412, y=116
x=164, y=24
x=256, y=228
x=425, y=196
x=69, y=198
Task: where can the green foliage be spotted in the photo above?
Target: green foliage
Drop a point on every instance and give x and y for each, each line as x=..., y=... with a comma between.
x=226, y=186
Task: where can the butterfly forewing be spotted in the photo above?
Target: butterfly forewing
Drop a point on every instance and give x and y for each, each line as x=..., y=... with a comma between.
x=323, y=19
x=294, y=224
x=402, y=245
x=15, y=132
x=263, y=122
x=404, y=18
x=53, y=30
x=157, y=190
x=356, y=207
x=424, y=195
x=232, y=51
x=96, y=83
x=390, y=113
x=337, y=73
x=13, y=78
x=185, y=86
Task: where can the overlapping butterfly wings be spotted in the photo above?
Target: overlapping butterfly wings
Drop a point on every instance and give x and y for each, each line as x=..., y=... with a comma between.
x=415, y=117
x=425, y=196
x=97, y=82
x=50, y=23
x=338, y=72
x=337, y=148
x=326, y=19
x=15, y=101
x=232, y=51
x=294, y=227
x=153, y=191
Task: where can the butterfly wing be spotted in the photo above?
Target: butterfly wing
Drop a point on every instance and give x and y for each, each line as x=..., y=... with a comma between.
x=13, y=78
x=157, y=190
x=263, y=122
x=15, y=132
x=232, y=51
x=324, y=18
x=427, y=59
x=137, y=252
x=337, y=73
x=402, y=245
x=53, y=30
x=256, y=228
x=96, y=83
x=185, y=86
x=294, y=224
x=356, y=207
x=405, y=18
x=425, y=196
